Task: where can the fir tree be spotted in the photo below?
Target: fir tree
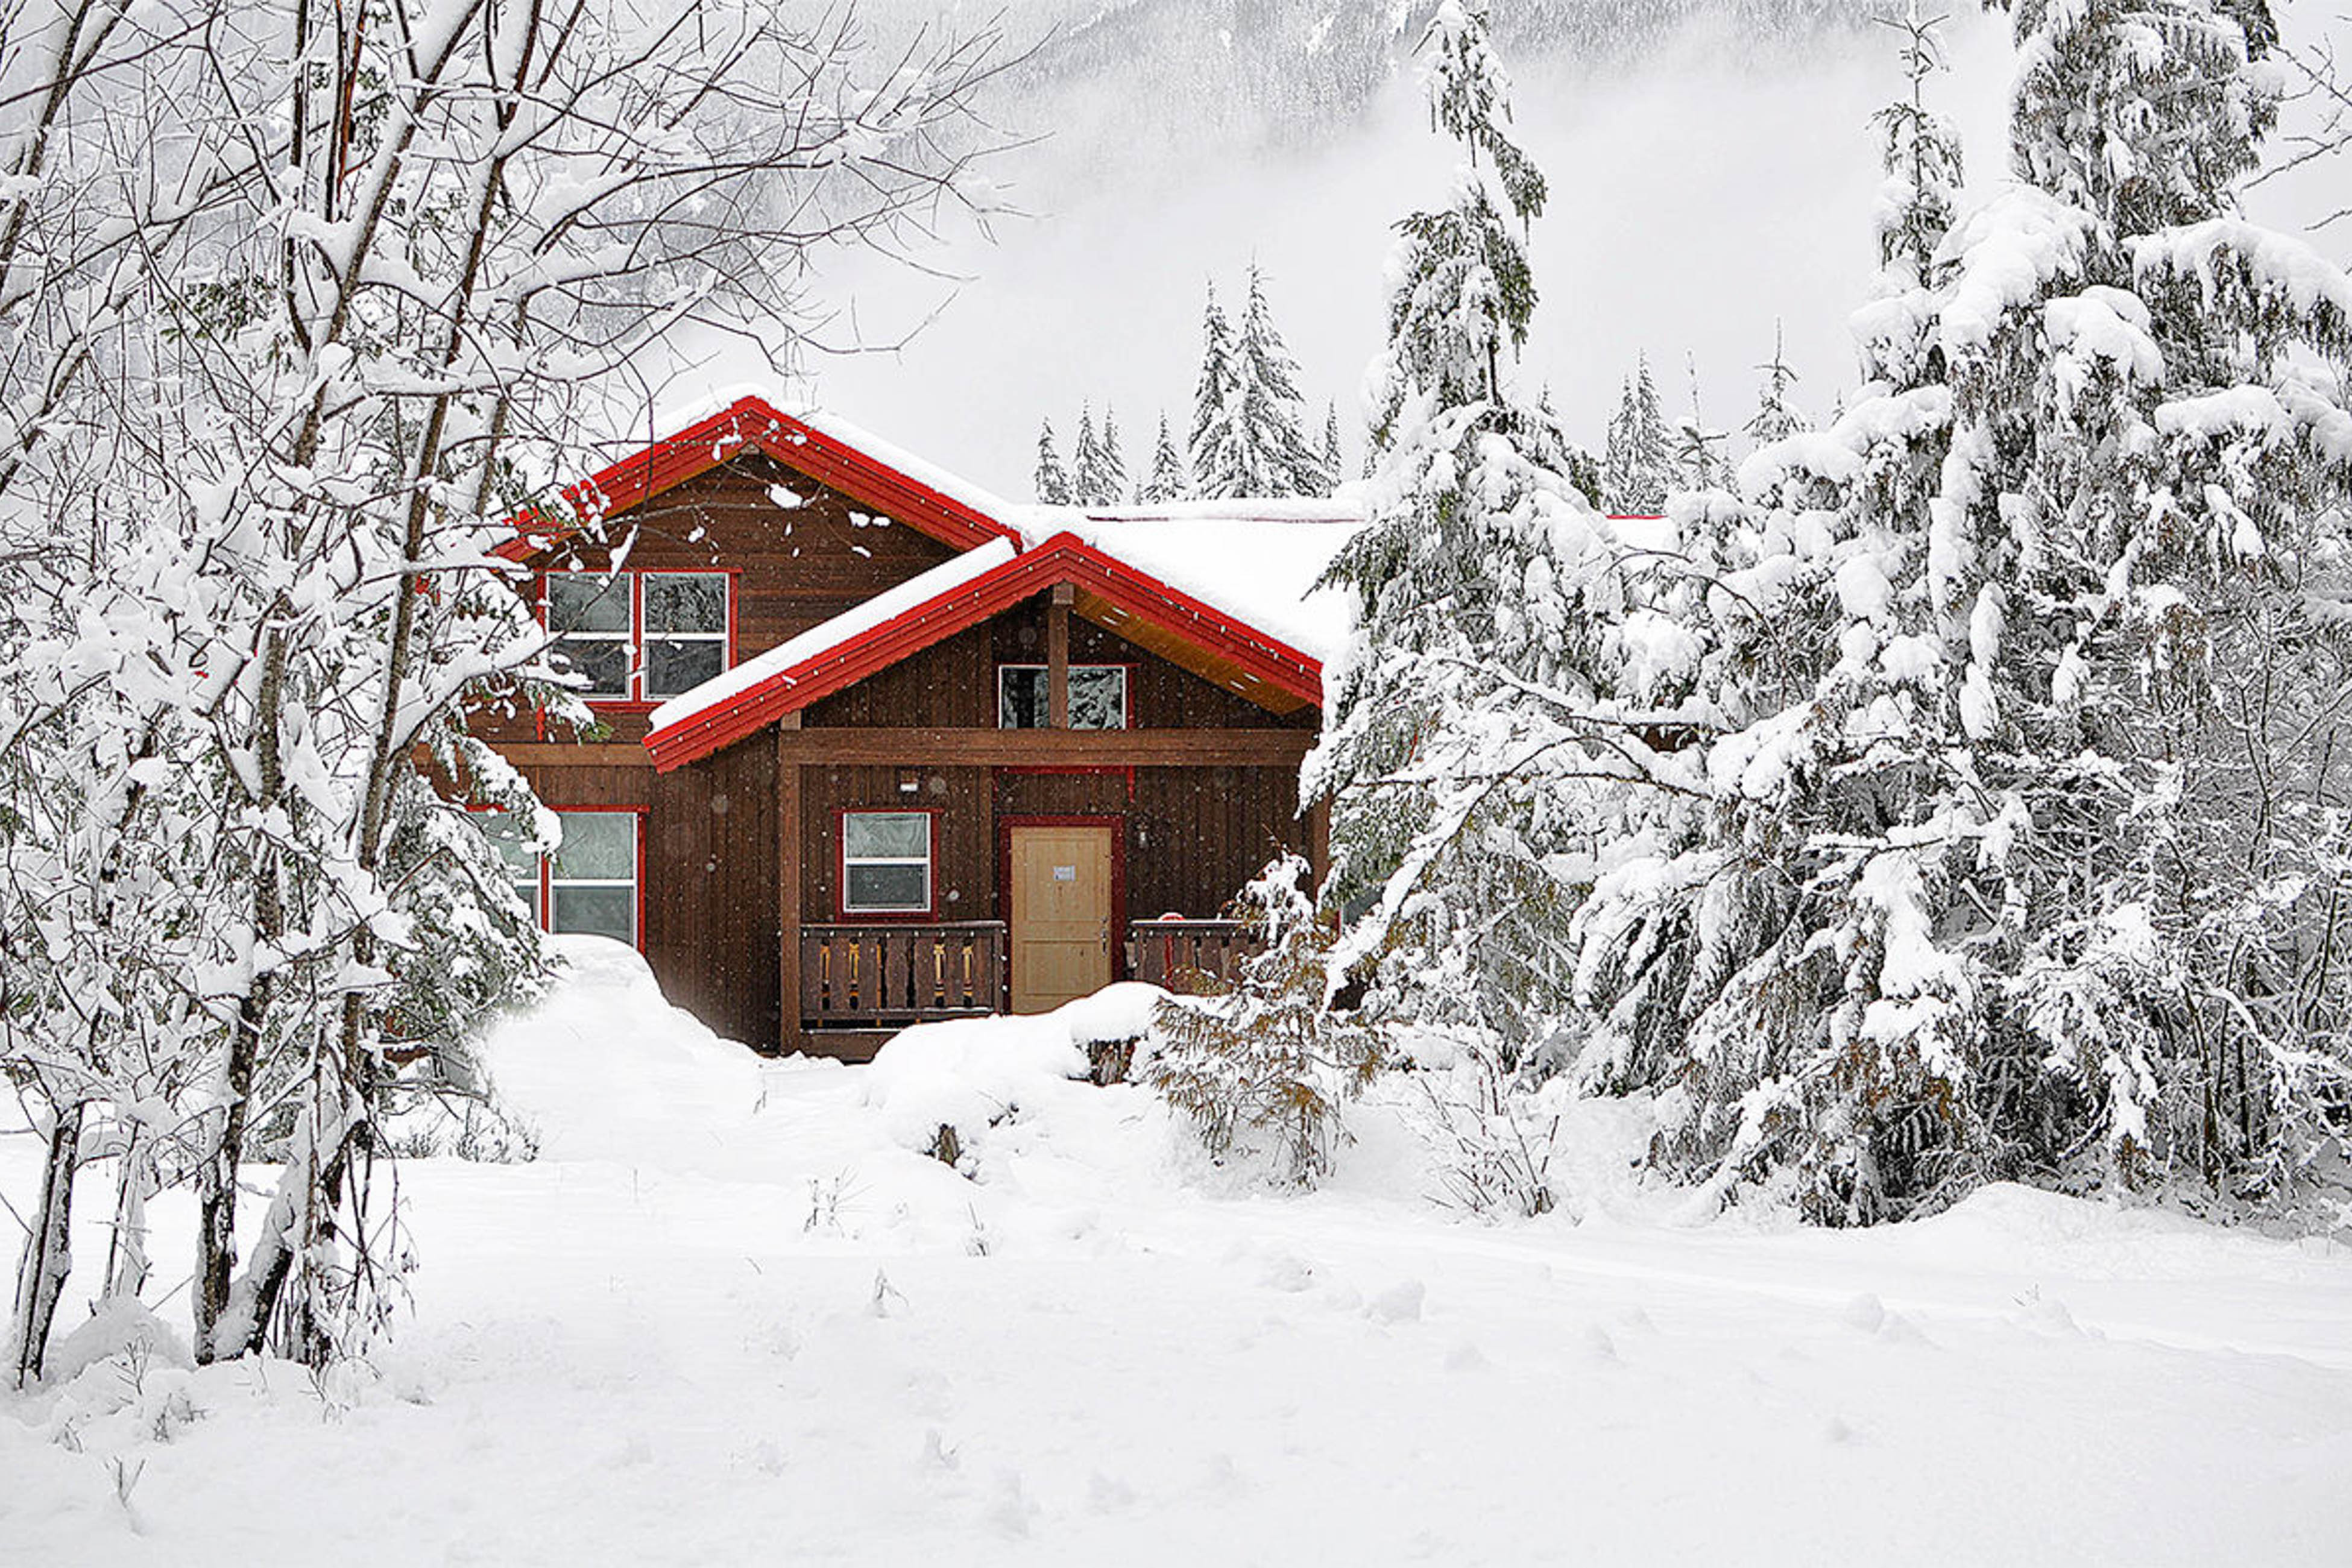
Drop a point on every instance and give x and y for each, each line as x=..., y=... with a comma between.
x=1467, y=584
x=1169, y=480
x=1218, y=471
x=1275, y=459
x=1052, y=481
x=1086, y=461
x=1697, y=461
x=1774, y=418
x=1334, y=464
x=1636, y=463
x=1111, y=489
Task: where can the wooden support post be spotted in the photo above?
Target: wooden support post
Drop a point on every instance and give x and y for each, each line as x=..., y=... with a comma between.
x=788, y=888
x=1319, y=838
x=1057, y=656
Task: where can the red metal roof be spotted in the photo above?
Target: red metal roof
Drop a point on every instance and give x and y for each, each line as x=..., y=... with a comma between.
x=1063, y=557
x=752, y=424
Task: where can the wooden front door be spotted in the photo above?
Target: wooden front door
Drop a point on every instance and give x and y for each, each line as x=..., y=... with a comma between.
x=1061, y=895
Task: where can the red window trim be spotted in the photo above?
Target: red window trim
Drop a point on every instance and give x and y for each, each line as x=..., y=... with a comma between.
x=636, y=701
x=841, y=866
x=1117, y=826
x=1126, y=709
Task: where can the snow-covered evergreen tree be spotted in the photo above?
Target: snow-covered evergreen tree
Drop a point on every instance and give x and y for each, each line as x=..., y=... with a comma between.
x=2020, y=686
x=1698, y=460
x=1052, y=481
x=1089, y=469
x=1219, y=469
x=1334, y=465
x=1276, y=460
x=1110, y=479
x=1469, y=662
x=1775, y=419
x=1170, y=479
x=1636, y=463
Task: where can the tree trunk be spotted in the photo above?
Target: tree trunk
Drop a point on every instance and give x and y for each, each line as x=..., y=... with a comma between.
x=48, y=1250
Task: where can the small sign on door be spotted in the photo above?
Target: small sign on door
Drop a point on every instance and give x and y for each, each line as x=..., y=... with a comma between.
x=1065, y=873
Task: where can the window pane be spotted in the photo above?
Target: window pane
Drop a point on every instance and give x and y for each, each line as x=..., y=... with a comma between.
x=675, y=667
x=603, y=660
x=887, y=835
x=1021, y=697
x=596, y=910
x=598, y=845
x=889, y=887
x=504, y=833
x=686, y=601
x=587, y=602
x=1098, y=697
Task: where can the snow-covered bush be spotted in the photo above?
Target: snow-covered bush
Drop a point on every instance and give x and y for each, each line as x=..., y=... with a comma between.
x=1268, y=1065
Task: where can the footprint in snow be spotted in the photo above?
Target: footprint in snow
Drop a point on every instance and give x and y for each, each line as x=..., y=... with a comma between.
x=1463, y=1356
x=1400, y=1303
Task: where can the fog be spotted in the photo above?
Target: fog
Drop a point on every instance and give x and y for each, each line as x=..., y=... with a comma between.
x=1704, y=188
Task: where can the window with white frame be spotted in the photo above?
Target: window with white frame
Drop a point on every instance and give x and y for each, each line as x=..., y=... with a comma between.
x=594, y=629
x=589, y=885
x=685, y=629
x=592, y=877
x=1097, y=696
x=886, y=862
x=640, y=635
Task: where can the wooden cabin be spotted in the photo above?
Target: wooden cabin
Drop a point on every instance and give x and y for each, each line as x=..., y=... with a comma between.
x=875, y=748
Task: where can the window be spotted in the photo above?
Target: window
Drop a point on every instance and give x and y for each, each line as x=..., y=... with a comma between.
x=886, y=862
x=592, y=878
x=640, y=635
x=508, y=833
x=1097, y=696
x=685, y=630
x=589, y=616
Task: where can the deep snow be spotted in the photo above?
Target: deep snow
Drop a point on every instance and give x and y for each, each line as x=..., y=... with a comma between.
x=730, y=1316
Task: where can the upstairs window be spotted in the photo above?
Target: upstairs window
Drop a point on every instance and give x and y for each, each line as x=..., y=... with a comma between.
x=1097, y=696
x=640, y=636
x=591, y=620
x=685, y=630
x=886, y=862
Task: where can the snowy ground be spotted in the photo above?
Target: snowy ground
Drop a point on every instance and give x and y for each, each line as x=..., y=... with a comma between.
x=727, y=1317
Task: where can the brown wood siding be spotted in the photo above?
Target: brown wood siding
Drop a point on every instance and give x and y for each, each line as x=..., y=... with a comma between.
x=963, y=850
x=794, y=567
x=707, y=900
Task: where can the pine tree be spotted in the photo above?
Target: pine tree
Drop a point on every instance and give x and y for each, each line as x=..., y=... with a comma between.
x=2020, y=829
x=1697, y=461
x=1774, y=418
x=1169, y=480
x=1052, y=481
x=1275, y=459
x=1636, y=463
x=1469, y=584
x=1334, y=462
x=1086, y=461
x=1219, y=470
x=1111, y=486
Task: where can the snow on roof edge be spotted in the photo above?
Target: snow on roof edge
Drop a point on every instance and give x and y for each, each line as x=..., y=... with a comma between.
x=826, y=635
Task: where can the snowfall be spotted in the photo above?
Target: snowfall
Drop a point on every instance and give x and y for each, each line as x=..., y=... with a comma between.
x=733, y=1313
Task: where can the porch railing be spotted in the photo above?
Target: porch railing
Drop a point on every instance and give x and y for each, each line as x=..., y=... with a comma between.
x=1185, y=955
x=857, y=976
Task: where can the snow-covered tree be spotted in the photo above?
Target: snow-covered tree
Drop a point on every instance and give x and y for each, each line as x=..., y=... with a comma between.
x=1334, y=465
x=1697, y=461
x=345, y=290
x=1775, y=419
x=1170, y=479
x=1469, y=662
x=1268, y=1066
x=1098, y=476
x=2020, y=686
x=1219, y=471
x=1051, y=481
x=1637, y=462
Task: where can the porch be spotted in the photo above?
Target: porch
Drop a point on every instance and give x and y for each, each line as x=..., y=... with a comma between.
x=861, y=982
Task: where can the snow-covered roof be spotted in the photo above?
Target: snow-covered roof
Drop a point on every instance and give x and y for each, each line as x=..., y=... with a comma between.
x=1255, y=561
x=827, y=636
